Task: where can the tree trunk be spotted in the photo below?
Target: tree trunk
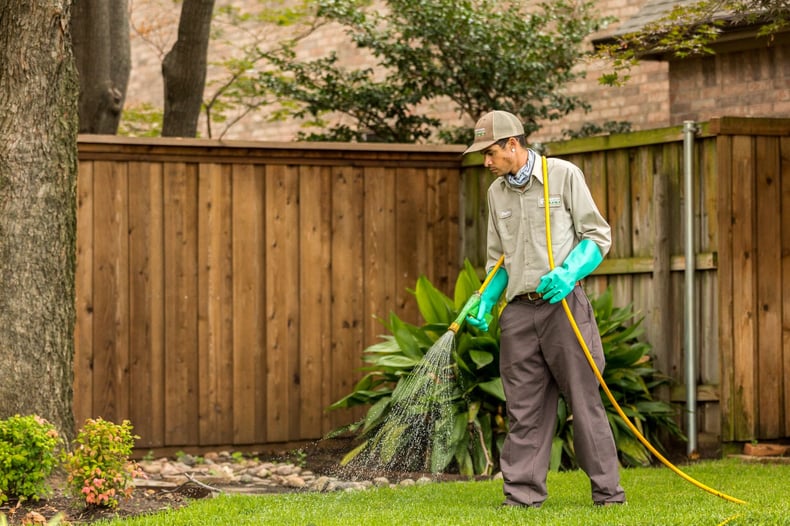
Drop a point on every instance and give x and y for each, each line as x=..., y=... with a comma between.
x=100, y=30
x=184, y=70
x=38, y=174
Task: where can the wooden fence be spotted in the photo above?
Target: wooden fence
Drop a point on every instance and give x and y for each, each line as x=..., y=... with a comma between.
x=226, y=291
x=753, y=157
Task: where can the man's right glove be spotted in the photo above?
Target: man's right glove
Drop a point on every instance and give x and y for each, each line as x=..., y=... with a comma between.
x=488, y=298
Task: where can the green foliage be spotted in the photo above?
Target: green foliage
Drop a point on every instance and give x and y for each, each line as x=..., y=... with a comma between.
x=99, y=469
x=236, y=91
x=478, y=397
x=690, y=29
x=472, y=52
x=479, y=400
x=28, y=454
x=589, y=129
x=144, y=120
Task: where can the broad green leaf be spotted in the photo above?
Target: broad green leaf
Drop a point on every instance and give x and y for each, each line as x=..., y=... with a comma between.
x=373, y=417
x=481, y=358
x=406, y=340
x=434, y=306
x=397, y=361
x=494, y=387
x=556, y=453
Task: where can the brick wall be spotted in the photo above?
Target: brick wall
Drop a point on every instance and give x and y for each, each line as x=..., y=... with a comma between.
x=746, y=83
x=741, y=83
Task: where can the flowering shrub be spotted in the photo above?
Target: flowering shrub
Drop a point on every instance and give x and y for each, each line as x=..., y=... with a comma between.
x=28, y=455
x=99, y=469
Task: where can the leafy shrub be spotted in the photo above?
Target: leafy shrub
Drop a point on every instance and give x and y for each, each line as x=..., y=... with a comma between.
x=99, y=469
x=478, y=397
x=28, y=454
x=479, y=400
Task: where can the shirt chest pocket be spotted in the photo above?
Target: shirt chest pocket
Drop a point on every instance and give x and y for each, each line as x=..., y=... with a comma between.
x=507, y=224
x=561, y=220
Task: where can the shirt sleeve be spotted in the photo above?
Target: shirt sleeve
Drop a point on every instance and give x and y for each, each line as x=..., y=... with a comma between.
x=494, y=248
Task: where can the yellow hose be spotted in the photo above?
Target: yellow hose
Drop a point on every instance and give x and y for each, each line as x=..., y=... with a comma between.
x=491, y=274
x=594, y=367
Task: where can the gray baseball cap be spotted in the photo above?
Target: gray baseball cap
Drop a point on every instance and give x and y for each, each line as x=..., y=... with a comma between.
x=493, y=126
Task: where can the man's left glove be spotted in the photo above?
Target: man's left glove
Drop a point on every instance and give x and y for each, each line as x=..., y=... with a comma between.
x=583, y=259
x=488, y=298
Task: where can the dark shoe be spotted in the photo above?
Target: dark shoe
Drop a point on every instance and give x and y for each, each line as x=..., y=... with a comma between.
x=606, y=504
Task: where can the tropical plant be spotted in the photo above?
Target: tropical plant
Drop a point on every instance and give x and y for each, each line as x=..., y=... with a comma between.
x=478, y=400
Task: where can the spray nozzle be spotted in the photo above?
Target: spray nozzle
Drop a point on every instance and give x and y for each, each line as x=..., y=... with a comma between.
x=471, y=304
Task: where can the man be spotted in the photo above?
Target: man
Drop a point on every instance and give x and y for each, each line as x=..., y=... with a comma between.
x=540, y=357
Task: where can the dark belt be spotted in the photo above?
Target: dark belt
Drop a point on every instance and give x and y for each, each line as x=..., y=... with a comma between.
x=530, y=297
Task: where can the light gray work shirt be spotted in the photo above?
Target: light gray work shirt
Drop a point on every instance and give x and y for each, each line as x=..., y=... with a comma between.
x=516, y=223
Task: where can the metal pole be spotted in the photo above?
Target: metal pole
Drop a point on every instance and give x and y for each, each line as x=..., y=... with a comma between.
x=689, y=130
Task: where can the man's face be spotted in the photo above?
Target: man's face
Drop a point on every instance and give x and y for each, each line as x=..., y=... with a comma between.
x=500, y=159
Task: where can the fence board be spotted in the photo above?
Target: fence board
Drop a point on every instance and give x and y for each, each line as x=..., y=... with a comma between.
x=642, y=242
x=380, y=251
x=282, y=304
x=725, y=285
x=110, y=292
x=744, y=305
x=146, y=326
x=707, y=241
x=315, y=313
x=768, y=271
x=249, y=307
x=785, y=276
x=83, y=330
x=215, y=304
x=409, y=247
x=618, y=213
x=347, y=284
x=658, y=314
x=180, y=271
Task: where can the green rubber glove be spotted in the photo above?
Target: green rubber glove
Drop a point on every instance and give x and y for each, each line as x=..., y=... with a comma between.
x=583, y=259
x=488, y=298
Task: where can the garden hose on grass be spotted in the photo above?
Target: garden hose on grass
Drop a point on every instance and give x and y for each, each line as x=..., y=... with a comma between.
x=598, y=375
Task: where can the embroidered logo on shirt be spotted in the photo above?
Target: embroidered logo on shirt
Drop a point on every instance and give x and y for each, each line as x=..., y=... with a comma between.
x=504, y=214
x=554, y=201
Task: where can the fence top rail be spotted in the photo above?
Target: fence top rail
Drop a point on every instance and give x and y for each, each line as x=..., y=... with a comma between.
x=716, y=126
x=623, y=140
x=750, y=126
x=111, y=147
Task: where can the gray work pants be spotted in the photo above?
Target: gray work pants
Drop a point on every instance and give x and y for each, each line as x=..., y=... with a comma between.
x=540, y=358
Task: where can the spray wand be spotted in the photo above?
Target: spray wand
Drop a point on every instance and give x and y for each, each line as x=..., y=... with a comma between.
x=474, y=301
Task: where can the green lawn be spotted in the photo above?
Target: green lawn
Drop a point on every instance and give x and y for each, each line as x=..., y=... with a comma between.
x=656, y=496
